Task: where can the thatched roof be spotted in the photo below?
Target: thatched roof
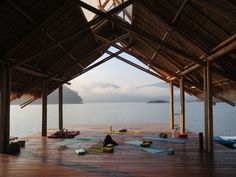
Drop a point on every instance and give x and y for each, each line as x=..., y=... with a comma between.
x=53, y=40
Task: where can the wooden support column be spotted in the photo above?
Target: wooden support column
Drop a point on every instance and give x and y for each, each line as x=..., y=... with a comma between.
x=44, y=109
x=60, y=110
x=5, y=89
x=182, y=106
x=209, y=108
x=171, y=106
x=205, y=107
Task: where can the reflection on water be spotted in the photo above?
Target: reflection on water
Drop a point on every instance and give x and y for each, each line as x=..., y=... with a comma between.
x=28, y=120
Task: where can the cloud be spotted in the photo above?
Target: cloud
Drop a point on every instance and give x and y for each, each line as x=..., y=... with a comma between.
x=99, y=91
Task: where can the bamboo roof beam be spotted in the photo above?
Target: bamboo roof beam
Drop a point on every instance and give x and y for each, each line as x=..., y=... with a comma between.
x=223, y=49
x=68, y=53
x=36, y=73
x=82, y=72
x=37, y=29
x=137, y=66
x=119, y=47
x=220, y=7
x=100, y=62
x=125, y=11
x=83, y=28
x=44, y=31
x=225, y=42
x=172, y=62
x=82, y=58
x=22, y=12
x=142, y=34
x=170, y=25
x=172, y=74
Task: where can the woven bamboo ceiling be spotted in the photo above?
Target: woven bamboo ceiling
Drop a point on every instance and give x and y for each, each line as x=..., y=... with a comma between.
x=57, y=40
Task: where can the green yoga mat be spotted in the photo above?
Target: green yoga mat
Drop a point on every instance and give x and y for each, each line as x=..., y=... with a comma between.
x=85, y=139
x=95, y=149
x=170, y=140
x=76, y=140
x=151, y=149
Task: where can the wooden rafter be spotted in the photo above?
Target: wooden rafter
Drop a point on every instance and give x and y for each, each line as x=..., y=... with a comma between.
x=82, y=72
x=30, y=19
x=100, y=62
x=68, y=53
x=169, y=25
x=127, y=51
x=37, y=29
x=83, y=28
x=84, y=57
x=36, y=71
x=137, y=66
x=142, y=34
x=125, y=11
x=223, y=49
x=223, y=8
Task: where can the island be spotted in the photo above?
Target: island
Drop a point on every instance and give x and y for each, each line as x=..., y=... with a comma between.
x=157, y=101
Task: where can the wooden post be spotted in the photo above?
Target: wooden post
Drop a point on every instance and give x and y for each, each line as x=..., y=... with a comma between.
x=205, y=107
x=209, y=108
x=182, y=106
x=44, y=109
x=171, y=106
x=60, y=113
x=5, y=89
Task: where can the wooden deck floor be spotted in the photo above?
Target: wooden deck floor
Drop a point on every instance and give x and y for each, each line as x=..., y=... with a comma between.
x=40, y=158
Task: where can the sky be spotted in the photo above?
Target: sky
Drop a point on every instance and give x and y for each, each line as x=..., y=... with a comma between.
x=116, y=81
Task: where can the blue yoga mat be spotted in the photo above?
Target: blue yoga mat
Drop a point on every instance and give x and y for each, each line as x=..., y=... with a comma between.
x=171, y=140
x=220, y=140
x=67, y=142
x=75, y=140
x=152, y=149
x=85, y=139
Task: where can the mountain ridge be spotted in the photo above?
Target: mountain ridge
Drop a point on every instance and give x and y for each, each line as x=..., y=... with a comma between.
x=69, y=97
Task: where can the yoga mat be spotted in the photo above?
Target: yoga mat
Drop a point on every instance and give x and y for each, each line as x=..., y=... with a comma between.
x=231, y=138
x=85, y=139
x=151, y=149
x=224, y=141
x=76, y=140
x=171, y=140
x=95, y=149
x=67, y=142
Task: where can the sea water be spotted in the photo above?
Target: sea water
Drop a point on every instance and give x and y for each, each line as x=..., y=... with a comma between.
x=28, y=120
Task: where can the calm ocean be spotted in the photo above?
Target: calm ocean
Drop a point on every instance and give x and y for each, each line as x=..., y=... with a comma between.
x=28, y=120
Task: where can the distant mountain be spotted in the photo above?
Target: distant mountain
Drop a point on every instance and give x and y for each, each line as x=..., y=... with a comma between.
x=69, y=97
